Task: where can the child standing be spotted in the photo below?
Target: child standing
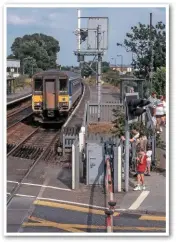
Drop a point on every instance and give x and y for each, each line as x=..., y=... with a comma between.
x=149, y=159
x=141, y=167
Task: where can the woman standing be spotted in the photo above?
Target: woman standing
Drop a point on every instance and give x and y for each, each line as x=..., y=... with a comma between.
x=159, y=114
x=163, y=118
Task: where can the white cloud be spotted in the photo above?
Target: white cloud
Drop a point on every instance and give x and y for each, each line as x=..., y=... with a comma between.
x=19, y=20
x=54, y=20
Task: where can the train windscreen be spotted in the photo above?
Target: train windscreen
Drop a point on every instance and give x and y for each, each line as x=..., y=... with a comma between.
x=38, y=85
x=63, y=86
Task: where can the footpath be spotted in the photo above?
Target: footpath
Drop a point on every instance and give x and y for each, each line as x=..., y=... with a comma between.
x=153, y=199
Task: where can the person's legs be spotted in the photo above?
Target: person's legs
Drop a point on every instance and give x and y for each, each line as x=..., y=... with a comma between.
x=138, y=179
x=147, y=172
x=138, y=186
x=148, y=167
x=142, y=181
x=158, y=122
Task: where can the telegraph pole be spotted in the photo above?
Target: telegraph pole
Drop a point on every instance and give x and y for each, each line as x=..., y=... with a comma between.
x=79, y=27
x=99, y=71
x=151, y=51
x=127, y=140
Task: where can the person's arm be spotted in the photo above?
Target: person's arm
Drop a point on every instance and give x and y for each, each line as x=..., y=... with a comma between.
x=135, y=137
x=141, y=161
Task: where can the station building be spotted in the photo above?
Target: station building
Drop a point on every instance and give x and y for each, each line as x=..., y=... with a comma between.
x=13, y=68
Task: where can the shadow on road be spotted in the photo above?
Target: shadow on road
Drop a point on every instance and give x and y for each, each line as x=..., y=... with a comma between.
x=101, y=170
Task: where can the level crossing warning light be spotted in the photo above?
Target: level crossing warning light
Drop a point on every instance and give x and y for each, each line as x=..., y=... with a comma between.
x=134, y=107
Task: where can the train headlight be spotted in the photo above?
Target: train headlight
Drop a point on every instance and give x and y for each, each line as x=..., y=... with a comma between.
x=38, y=104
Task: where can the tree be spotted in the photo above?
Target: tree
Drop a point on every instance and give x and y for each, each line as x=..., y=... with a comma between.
x=159, y=81
x=86, y=71
x=138, y=42
x=112, y=77
x=65, y=68
x=119, y=124
x=10, y=56
x=29, y=66
x=42, y=48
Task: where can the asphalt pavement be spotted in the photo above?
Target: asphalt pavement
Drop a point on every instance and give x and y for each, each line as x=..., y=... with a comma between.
x=49, y=216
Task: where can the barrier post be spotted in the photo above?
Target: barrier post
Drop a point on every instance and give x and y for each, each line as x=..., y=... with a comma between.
x=109, y=196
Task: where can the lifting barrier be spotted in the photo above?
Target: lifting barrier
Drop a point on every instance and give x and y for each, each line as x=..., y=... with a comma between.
x=109, y=186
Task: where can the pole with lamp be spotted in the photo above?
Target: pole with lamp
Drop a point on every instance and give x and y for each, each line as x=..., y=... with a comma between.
x=121, y=62
x=127, y=50
x=114, y=61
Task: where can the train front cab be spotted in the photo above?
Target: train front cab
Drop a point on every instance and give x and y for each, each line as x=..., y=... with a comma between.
x=50, y=96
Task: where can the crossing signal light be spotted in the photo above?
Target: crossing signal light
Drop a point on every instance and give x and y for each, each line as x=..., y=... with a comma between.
x=83, y=34
x=134, y=107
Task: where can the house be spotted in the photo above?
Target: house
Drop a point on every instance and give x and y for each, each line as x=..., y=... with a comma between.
x=122, y=70
x=13, y=67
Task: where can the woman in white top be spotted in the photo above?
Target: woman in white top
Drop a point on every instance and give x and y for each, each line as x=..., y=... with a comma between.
x=163, y=118
x=160, y=114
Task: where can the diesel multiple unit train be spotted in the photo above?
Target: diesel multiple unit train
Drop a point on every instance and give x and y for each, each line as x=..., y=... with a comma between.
x=54, y=94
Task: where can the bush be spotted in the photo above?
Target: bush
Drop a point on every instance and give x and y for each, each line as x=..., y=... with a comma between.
x=119, y=125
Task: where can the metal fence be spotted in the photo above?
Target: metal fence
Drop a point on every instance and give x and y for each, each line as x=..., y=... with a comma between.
x=69, y=136
x=106, y=111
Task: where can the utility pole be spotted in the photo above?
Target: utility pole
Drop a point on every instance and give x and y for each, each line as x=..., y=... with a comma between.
x=127, y=140
x=99, y=71
x=121, y=62
x=79, y=27
x=151, y=51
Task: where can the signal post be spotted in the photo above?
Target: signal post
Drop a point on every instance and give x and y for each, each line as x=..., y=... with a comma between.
x=134, y=108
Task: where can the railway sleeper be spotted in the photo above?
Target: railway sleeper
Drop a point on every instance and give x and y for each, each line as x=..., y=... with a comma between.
x=27, y=152
x=22, y=152
x=37, y=153
x=10, y=147
x=49, y=154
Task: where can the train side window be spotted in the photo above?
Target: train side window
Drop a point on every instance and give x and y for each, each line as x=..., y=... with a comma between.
x=38, y=85
x=63, y=85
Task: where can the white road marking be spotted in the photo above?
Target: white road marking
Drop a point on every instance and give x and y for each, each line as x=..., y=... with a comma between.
x=23, y=195
x=139, y=200
x=40, y=185
x=67, y=202
x=43, y=187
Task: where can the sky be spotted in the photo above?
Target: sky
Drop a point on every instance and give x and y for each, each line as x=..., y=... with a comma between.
x=61, y=22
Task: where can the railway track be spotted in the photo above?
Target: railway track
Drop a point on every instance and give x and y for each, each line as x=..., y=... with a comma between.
x=36, y=146
x=17, y=133
x=29, y=148
x=17, y=117
x=12, y=111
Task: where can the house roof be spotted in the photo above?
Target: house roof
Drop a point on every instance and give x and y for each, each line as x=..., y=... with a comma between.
x=13, y=63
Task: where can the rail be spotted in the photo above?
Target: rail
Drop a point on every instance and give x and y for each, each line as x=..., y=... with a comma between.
x=42, y=154
x=20, y=116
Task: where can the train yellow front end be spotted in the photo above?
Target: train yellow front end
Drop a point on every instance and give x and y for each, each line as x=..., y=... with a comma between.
x=54, y=93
